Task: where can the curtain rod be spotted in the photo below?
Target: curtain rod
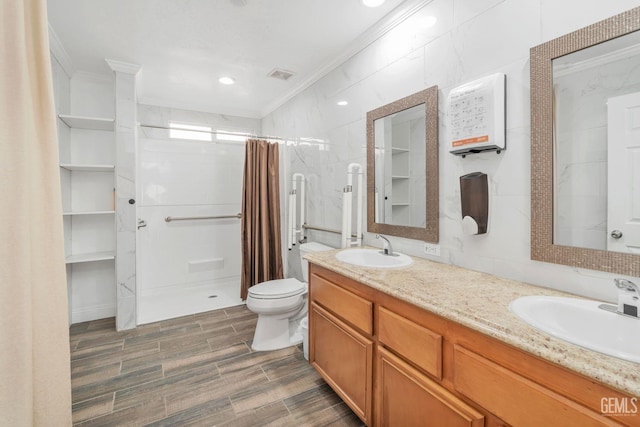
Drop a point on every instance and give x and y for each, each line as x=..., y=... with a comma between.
x=215, y=132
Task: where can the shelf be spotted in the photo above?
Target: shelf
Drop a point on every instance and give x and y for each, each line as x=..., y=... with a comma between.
x=89, y=213
x=95, y=256
x=397, y=150
x=88, y=168
x=93, y=123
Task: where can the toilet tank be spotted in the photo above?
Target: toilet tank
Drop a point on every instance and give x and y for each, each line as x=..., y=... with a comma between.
x=306, y=248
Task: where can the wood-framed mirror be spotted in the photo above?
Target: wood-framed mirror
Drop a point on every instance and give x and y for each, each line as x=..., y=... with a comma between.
x=402, y=167
x=585, y=147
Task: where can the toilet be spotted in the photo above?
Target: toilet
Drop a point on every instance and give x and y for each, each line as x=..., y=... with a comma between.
x=280, y=305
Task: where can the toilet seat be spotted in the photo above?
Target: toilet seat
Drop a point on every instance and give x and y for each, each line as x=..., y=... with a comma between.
x=277, y=289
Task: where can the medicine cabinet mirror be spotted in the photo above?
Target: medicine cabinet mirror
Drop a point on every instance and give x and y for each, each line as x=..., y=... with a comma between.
x=585, y=147
x=402, y=167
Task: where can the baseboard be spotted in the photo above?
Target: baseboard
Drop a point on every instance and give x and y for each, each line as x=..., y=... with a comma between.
x=93, y=313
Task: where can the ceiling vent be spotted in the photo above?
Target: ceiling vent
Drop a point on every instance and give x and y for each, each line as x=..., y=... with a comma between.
x=280, y=74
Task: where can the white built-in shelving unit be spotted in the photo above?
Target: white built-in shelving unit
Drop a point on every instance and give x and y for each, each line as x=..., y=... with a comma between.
x=87, y=173
x=401, y=171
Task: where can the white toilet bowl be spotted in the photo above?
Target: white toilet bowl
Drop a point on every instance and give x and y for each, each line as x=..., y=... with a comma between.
x=280, y=305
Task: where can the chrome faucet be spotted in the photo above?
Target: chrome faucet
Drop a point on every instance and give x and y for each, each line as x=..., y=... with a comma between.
x=386, y=245
x=628, y=297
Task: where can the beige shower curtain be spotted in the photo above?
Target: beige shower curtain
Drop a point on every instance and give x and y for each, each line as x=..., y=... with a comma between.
x=35, y=385
x=261, y=247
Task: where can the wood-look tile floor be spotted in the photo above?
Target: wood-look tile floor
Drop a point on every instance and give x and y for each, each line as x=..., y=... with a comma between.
x=195, y=370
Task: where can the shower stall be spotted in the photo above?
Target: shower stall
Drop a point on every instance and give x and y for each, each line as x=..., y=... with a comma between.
x=188, y=208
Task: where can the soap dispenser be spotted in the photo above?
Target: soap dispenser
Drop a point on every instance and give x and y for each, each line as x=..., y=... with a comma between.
x=474, y=196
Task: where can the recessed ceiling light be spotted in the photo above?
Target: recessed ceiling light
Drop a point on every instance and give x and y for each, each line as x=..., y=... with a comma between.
x=226, y=80
x=372, y=3
x=342, y=103
x=429, y=21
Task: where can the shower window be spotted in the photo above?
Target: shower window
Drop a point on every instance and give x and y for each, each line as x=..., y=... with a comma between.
x=184, y=131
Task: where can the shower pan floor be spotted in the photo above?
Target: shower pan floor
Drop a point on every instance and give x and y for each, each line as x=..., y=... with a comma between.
x=191, y=300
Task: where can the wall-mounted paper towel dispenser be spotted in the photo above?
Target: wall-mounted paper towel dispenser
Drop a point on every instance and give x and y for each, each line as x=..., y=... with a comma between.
x=476, y=116
x=474, y=196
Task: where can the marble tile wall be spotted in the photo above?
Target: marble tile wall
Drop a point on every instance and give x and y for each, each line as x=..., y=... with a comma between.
x=468, y=40
x=126, y=145
x=162, y=116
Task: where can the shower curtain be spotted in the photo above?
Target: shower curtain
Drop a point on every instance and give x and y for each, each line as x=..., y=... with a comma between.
x=35, y=385
x=261, y=245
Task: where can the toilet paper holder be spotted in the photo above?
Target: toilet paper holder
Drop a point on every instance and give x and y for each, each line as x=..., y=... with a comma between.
x=474, y=197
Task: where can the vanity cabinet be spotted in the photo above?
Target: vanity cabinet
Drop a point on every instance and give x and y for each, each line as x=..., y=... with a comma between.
x=396, y=364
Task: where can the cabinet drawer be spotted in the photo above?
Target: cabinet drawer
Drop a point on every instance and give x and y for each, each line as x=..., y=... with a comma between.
x=409, y=398
x=347, y=305
x=515, y=399
x=412, y=341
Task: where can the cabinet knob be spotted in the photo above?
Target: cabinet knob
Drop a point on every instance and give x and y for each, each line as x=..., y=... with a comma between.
x=132, y=201
x=616, y=234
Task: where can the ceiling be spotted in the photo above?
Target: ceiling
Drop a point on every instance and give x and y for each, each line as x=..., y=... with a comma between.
x=184, y=46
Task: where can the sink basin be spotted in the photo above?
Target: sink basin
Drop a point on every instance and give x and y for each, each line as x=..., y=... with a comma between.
x=581, y=322
x=373, y=258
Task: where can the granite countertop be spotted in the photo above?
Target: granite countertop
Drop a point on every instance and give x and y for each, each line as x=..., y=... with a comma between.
x=480, y=301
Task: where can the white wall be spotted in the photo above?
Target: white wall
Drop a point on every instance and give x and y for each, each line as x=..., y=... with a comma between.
x=178, y=177
x=93, y=95
x=471, y=39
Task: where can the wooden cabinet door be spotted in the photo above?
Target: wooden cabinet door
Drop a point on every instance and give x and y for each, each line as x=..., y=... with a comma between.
x=344, y=358
x=516, y=399
x=405, y=397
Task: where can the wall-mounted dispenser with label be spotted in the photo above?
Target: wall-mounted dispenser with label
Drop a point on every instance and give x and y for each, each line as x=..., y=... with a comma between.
x=474, y=196
x=476, y=116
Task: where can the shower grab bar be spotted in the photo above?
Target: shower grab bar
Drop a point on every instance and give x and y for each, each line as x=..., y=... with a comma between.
x=328, y=230
x=186, y=218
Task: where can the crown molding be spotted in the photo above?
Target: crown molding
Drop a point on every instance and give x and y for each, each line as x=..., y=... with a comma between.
x=123, y=67
x=386, y=24
x=60, y=53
